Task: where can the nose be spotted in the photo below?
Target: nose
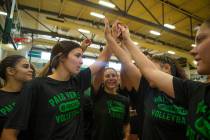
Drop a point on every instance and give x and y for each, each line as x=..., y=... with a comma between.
x=30, y=69
x=193, y=52
x=81, y=61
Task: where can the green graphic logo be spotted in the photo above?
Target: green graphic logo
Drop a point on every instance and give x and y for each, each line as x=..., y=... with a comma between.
x=4, y=110
x=116, y=109
x=67, y=104
x=165, y=110
x=202, y=123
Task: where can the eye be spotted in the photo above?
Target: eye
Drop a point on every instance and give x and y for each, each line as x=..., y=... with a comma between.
x=113, y=75
x=26, y=66
x=78, y=55
x=200, y=38
x=107, y=76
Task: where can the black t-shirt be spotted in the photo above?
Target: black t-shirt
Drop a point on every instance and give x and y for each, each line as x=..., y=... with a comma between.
x=110, y=114
x=134, y=101
x=162, y=120
x=195, y=96
x=88, y=114
x=51, y=109
x=7, y=105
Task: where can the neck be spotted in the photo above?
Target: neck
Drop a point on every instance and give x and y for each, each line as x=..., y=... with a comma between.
x=13, y=86
x=110, y=91
x=60, y=75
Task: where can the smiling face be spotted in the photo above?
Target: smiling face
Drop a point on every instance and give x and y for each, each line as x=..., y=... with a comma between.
x=110, y=79
x=202, y=50
x=22, y=71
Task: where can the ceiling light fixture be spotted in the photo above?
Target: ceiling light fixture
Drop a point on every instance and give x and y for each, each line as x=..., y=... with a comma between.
x=154, y=32
x=136, y=43
x=3, y=13
x=106, y=3
x=193, y=45
x=195, y=62
x=169, y=26
x=97, y=15
x=171, y=52
x=84, y=31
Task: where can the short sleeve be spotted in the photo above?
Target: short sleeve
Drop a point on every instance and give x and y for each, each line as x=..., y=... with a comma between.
x=185, y=90
x=20, y=116
x=85, y=79
x=144, y=85
x=97, y=95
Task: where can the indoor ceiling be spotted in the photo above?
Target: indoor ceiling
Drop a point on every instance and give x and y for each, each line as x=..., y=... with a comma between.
x=65, y=17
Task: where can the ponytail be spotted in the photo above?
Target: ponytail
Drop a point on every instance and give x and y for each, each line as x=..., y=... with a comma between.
x=46, y=70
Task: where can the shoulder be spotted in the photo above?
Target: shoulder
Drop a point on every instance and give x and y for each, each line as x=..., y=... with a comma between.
x=189, y=84
x=36, y=82
x=84, y=71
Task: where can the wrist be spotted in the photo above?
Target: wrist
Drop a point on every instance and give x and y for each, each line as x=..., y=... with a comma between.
x=128, y=42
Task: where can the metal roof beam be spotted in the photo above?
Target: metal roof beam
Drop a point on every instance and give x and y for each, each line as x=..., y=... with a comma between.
x=131, y=17
x=183, y=11
x=22, y=7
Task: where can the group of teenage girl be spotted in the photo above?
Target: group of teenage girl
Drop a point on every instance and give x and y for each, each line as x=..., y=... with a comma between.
x=53, y=106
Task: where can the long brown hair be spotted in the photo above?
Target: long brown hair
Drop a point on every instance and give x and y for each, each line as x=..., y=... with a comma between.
x=62, y=48
x=176, y=69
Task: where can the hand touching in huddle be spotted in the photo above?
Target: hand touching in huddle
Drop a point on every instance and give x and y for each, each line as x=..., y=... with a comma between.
x=125, y=34
x=116, y=32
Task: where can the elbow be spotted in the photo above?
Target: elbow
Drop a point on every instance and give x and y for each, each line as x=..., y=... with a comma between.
x=152, y=84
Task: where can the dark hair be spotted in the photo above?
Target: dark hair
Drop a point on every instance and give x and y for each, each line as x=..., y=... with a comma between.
x=9, y=61
x=62, y=48
x=176, y=69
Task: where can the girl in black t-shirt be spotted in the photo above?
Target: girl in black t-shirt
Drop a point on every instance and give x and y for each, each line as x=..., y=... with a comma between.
x=193, y=96
x=159, y=117
x=50, y=107
x=111, y=110
x=14, y=71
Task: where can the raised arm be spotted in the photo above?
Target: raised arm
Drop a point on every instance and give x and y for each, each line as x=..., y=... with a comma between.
x=101, y=61
x=156, y=77
x=131, y=72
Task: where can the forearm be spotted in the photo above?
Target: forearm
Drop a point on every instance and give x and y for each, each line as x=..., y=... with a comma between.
x=140, y=59
x=101, y=61
x=150, y=71
x=118, y=51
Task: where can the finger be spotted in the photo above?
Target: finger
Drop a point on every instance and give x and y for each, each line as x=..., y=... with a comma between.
x=106, y=22
x=114, y=25
x=122, y=28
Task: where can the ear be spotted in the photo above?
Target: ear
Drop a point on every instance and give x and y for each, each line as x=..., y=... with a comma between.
x=11, y=71
x=61, y=58
x=166, y=68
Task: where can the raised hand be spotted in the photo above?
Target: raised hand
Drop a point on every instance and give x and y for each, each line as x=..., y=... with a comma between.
x=85, y=43
x=116, y=32
x=125, y=33
x=107, y=30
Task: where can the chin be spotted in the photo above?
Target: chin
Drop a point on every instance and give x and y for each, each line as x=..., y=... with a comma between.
x=111, y=87
x=203, y=71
